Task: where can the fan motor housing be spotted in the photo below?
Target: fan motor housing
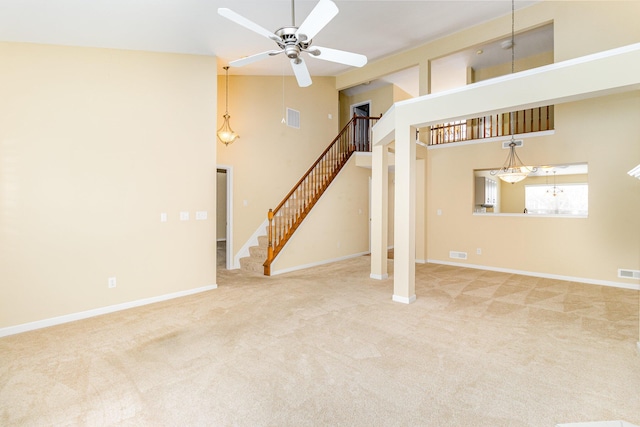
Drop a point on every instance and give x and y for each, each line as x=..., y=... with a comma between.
x=290, y=42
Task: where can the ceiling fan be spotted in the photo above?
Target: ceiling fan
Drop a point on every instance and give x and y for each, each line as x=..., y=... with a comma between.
x=293, y=41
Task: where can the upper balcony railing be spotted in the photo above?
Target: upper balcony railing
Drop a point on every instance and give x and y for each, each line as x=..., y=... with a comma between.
x=496, y=125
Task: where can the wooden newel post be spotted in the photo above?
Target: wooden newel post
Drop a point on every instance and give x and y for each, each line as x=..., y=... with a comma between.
x=267, y=264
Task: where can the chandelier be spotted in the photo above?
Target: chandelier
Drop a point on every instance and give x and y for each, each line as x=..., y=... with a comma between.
x=513, y=169
x=555, y=191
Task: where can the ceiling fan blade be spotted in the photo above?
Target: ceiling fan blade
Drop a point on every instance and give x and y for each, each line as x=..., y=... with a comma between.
x=320, y=16
x=253, y=58
x=301, y=71
x=340, y=56
x=241, y=20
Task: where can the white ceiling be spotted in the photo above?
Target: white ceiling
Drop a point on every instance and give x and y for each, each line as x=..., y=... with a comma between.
x=372, y=28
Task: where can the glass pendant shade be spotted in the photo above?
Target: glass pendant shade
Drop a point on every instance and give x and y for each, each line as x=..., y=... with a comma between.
x=512, y=175
x=225, y=133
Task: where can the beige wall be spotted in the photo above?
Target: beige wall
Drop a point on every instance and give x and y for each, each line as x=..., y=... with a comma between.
x=534, y=61
x=580, y=28
x=585, y=27
x=269, y=157
x=398, y=95
x=600, y=132
x=337, y=226
x=381, y=100
x=94, y=145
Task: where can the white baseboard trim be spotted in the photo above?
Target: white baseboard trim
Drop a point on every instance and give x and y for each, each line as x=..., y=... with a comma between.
x=315, y=264
x=421, y=261
x=39, y=324
x=379, y=276
x=253, y=241
x=537, y=274
x=404, y=300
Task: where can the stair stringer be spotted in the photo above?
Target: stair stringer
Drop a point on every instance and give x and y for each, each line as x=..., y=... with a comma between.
x=252, y=241
x=336, y=228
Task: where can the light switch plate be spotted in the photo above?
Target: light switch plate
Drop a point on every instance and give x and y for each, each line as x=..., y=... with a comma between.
x=201, y=215
x=184, y=216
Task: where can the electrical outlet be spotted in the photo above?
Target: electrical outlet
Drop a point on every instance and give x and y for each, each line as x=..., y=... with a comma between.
x=479, y=251
x=184, y=216
x=111, y=282
x=201, y=215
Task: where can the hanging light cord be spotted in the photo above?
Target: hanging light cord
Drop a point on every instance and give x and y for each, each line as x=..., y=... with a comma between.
x=226, y=94
x=513, y=11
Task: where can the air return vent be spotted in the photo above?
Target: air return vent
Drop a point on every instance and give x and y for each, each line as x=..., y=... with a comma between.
x=628, y=274
x=293, y=118
x=457, y=255
x=518, y=142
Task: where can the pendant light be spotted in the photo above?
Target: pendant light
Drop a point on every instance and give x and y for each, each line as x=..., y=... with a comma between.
x=513, y=169
x=225, y=133
x=556, y=190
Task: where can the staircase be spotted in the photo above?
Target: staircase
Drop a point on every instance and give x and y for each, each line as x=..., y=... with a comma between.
x=257, y=255
x=285, y=218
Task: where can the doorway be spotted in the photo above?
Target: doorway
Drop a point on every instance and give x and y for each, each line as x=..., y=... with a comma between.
x=361, y=135
x=224, y=216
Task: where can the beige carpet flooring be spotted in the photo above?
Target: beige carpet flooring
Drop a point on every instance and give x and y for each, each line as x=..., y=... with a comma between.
x=328, y=347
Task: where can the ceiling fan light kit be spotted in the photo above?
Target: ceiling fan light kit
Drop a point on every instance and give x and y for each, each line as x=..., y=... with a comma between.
x=294, y=41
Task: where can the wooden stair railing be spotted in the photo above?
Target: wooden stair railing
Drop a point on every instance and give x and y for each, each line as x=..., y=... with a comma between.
x=525, y=121
x=292, y=210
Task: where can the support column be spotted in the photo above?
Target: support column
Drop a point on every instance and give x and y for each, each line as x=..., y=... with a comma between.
x=379, y=211
x=424, y=73
x=421, y=212
x=404, y=265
